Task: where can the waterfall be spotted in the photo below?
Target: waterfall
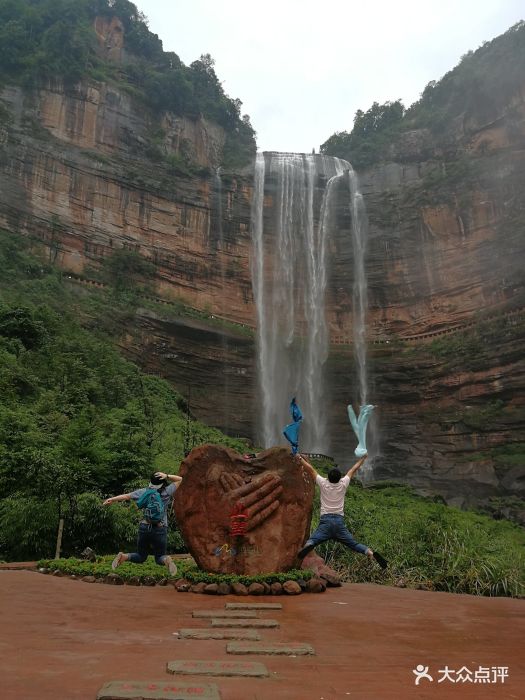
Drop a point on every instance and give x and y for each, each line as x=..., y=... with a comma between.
x=259, y=289
x=289, y=284
x=360, y=295
x=360, y=303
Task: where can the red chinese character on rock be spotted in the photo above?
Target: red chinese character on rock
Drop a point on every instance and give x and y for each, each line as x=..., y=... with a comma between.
x=238, y=521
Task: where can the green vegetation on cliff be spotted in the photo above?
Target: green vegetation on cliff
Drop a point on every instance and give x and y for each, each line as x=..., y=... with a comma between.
x=372, y=133
x=46, y=40
x=77, y=421
x=480, y=85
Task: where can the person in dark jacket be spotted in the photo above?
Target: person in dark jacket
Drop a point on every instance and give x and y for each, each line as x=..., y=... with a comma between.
x=152, y=535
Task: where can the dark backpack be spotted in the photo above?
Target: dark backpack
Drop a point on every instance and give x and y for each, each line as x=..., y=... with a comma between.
x=152, y=506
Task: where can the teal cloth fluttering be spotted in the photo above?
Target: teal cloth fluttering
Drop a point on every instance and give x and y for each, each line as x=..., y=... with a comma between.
x=359, y=426
x=291, y=431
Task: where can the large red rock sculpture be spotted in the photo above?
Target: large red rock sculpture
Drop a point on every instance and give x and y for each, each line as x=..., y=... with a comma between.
x=240, y=515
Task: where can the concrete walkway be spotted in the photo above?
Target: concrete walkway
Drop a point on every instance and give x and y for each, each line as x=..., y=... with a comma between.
x=63, y=640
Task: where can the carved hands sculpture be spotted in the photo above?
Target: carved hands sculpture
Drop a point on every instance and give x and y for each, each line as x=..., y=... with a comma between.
x=241, y=515
x=256, y=499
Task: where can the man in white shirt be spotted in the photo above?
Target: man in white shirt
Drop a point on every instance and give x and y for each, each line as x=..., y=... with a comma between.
x=332, y=525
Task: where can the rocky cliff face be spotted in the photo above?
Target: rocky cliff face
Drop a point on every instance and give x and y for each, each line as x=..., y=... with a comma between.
x=77, y=173
x=446, y=247
x=446, y=251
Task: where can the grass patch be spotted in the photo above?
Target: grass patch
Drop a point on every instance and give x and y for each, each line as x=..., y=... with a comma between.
x=149, y=570
x=102, y=567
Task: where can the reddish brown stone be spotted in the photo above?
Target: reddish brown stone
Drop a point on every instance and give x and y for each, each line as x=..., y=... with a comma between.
x=224, y=589
x=198, y=587
x=291, y=587
x=133, y=581
x=315, y=585
x=316, y=564
x=276, y=588
x=211, y=589
x=268, y=500
x=182, y=585
x=256, y=589
x=239, y=589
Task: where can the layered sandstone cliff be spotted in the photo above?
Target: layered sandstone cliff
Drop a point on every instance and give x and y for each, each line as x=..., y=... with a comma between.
x=445, y=247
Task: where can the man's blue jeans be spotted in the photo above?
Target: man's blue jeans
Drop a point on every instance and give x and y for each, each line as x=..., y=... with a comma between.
x=150, y=537
x=332, y=527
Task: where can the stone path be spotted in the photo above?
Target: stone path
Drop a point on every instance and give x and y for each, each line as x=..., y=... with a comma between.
x=157, y=690
x=225, y=613
x=207, y=633
x=217, y=668
x=237, y=616
x=270, y=649
x=63, y=640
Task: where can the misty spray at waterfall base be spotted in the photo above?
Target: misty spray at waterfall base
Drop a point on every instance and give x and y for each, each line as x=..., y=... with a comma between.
x=290, y=273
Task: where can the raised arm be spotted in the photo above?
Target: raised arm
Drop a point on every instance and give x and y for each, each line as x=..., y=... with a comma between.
x=170, y=477
x=350, y=473
x=116, y=499
x=307, y=465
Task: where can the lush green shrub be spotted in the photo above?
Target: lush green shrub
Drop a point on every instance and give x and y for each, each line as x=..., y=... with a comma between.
x=102, y=567
x=77, y=421
x=186, y=569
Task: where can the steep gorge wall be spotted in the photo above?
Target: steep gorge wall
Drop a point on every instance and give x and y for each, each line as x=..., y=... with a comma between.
x=75, y=172
x=446, y=244
x=446, y=249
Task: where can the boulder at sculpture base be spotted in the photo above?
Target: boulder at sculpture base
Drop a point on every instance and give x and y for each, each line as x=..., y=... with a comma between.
x=244, y=516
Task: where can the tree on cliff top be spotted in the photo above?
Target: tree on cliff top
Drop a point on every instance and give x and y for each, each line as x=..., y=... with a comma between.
x=481, y=84
x=369, y=136
x=42, y=40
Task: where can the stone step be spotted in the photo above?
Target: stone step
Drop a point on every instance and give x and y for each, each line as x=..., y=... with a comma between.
x=224, y=613
x=158, y=690
x=269, y=649
x=253, y=606
x=219, y=633
x=256, y=624
x=218, y=668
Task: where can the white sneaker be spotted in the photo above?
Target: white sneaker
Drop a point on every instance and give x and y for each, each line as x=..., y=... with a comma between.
x=172, y=567
x=117, y=561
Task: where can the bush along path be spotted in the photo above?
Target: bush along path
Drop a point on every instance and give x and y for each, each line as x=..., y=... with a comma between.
x=191, y=579
x=247, y=622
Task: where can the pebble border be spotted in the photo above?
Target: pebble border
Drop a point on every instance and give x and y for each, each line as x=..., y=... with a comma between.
x=313, y=585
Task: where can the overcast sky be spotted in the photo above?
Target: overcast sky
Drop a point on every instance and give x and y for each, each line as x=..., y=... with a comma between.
x=303, y=67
